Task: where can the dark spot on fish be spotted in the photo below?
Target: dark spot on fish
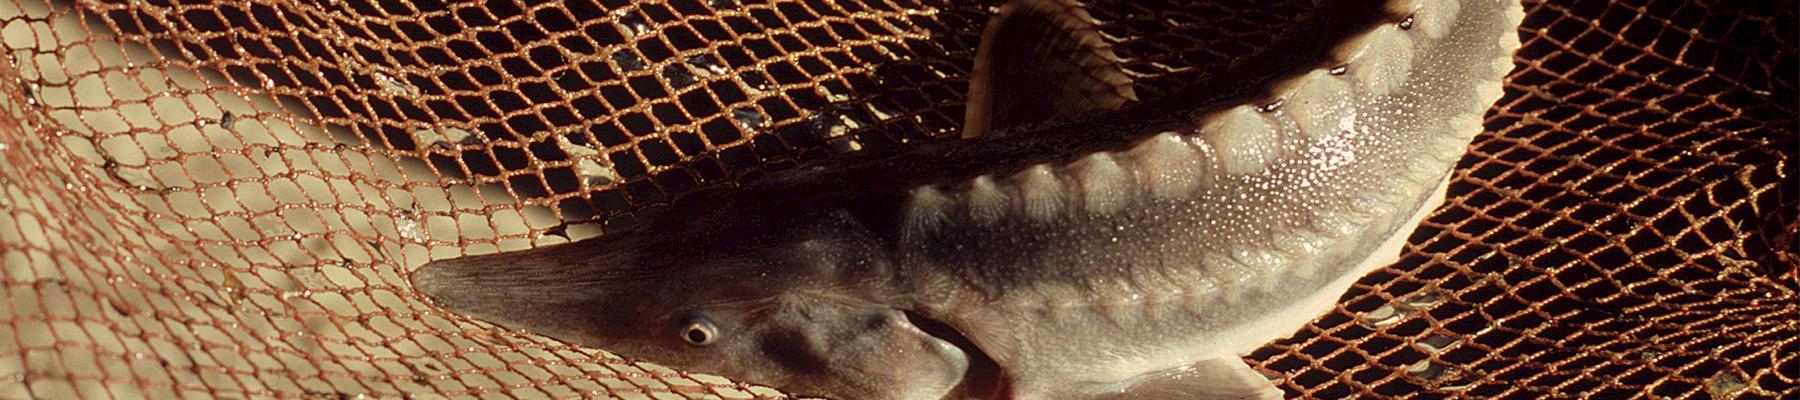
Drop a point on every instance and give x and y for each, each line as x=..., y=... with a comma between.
x=1407, y=23
x=1271, y=107
x=559, y=230
x=790, y=349
x=121, y=307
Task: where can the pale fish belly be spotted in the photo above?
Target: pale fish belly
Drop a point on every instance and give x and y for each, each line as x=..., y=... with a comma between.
x=1206, y=242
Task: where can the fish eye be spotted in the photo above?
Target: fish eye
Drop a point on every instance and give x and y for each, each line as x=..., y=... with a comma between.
x=699, y=331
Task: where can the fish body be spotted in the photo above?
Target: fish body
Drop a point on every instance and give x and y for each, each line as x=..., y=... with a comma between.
x=1131, y=254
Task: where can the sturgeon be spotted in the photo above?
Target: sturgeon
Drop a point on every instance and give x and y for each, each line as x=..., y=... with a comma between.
x=1134, y=252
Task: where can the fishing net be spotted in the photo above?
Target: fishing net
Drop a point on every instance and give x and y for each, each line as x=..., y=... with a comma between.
x=224, y=200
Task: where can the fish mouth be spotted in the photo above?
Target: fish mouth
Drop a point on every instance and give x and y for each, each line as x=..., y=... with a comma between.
x=983, y=379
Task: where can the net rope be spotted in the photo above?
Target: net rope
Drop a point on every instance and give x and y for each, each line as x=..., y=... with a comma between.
x=225, y=199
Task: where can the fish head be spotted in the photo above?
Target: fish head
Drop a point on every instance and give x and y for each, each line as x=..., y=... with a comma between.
x=793, y=304
x=807, y=344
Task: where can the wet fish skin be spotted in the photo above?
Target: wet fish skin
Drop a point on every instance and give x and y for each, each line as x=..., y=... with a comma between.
x=1069, y=290
x=1268, y=235
x=790, y=299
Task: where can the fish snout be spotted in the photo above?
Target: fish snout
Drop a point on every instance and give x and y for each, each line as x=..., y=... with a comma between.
x=928, y=366
x=866, y=352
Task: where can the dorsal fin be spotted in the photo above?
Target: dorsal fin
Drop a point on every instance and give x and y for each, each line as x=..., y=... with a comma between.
x=1041, y=60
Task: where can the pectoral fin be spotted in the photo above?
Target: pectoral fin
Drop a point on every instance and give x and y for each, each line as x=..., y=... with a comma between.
x=1041, y=60
x=1213, y=379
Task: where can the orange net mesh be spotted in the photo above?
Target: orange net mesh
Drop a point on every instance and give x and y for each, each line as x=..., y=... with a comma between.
x=224, y=200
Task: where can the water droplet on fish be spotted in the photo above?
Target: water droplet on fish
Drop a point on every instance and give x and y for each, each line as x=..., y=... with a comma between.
x=1727, y=384
x=846, y=146
x=705, y=65
x=1384, y=315
x=1112, y=37
x=628, y=61
x=1339, y=70
x=748, y=118
x=827, y=125
x=574, y=150
x=754, y=82
x=1456, y=387
x=595, y=173
x=406, y=223
x=1333, y=158
x=483, y=336
x=857, y=119
x=1407, y=23
x=444, y=138
x=31, y=94
x=388, y=83
x=1168, y=67
x=233, y=289
x=121, y=307
x=1271, y=107
x=882, y=110
x=589, y=165
x=1428, y=370
x=834, y=95
x=633, y=24
x=1435, y=344
x=1423, y=300
x=677, y=76
x=931, y=126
